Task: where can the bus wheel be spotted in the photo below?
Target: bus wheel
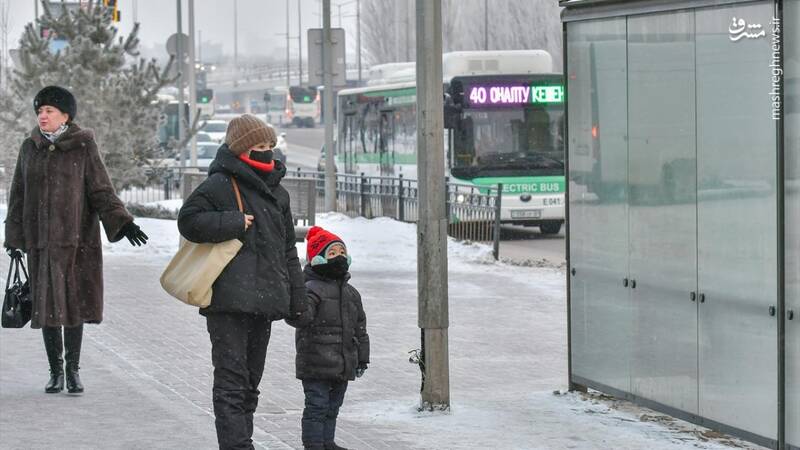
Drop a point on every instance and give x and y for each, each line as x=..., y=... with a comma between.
x=552, y=227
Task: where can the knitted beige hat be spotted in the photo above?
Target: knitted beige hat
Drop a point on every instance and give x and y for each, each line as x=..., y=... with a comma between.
x=247, y=131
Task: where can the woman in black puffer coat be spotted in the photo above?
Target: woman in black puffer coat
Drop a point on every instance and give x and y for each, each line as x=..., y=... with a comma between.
x=262, y=282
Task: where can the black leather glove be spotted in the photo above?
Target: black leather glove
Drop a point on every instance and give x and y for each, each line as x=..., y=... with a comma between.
x=134, y=234
x=362, y=367
x=14, y=252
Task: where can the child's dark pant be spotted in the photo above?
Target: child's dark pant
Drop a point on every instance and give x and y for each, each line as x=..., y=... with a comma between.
x=323, y=400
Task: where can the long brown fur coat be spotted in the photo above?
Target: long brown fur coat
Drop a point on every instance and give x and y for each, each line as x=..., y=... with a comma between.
x=58, y=193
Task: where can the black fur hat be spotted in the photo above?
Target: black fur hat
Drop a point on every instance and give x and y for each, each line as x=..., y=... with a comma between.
x=57, y=97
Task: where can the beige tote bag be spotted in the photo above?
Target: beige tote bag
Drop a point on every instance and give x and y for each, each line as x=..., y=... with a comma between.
x=193, y=270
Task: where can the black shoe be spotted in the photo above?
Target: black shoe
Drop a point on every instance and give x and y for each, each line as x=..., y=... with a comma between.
x=332, y=446
x=313, y=447
x=74, y=385
x=56, y=383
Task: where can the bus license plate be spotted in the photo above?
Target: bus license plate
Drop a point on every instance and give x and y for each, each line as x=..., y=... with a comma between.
x=526, y=214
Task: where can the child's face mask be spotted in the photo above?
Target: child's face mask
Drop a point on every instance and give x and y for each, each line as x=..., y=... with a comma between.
x=334, y=268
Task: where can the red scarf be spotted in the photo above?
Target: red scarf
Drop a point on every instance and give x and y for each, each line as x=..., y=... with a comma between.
x=263, y=167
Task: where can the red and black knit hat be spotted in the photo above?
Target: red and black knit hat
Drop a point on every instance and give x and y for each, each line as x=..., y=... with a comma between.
x=317, y=242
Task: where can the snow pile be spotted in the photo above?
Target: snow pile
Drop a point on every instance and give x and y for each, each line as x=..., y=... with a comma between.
x=383, y=243
x=170, y=205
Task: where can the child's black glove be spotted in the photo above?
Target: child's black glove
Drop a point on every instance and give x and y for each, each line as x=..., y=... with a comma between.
x=362, y=367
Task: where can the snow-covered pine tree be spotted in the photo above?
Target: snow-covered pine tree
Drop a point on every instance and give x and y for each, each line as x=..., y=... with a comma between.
x=116, y=90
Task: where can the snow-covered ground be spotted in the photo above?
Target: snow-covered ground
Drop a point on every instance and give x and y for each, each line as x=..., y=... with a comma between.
x=169, y=205
x=507, y=346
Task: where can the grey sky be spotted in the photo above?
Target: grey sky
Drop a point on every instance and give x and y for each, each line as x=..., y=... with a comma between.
x=260, y=22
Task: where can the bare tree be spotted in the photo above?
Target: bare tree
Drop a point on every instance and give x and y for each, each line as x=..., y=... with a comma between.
x=4, y=29
x=378, y=25
x=389, y=32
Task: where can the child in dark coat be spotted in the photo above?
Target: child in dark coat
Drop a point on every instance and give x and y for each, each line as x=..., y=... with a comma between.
x=331, y=339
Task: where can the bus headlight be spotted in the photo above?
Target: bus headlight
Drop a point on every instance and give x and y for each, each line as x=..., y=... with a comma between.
x=460, y=198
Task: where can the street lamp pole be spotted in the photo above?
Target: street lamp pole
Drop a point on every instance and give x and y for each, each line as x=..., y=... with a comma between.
x=299, y=43
x=358, y=37
x=235, y=37
x=192, y=83
x=288, y=74
x=179, y=59
x=486, y=24
x=327, y=104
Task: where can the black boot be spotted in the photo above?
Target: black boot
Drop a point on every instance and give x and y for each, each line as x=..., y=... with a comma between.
x=72, y=347
x=54, y=347
x=332, y=446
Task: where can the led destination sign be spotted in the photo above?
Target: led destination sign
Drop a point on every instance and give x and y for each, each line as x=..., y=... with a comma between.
x=488, y=95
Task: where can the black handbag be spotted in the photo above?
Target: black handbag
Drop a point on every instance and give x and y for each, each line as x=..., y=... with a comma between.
x=17, y=302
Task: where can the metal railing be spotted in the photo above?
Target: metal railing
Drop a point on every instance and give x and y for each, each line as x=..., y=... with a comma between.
x=473, y=212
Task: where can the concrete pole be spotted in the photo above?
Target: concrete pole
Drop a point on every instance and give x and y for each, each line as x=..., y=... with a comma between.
x=299, y=43
x=432, y=225
x=235, y=38
x=358, y=37
x=408, y=29
x=327, y=77
x=288, y=40
x=486, y=24
x=192, y=83
x=179, y=60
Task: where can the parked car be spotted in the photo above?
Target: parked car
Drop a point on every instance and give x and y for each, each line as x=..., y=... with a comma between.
x=206, y=151
x=203, y=137
x=215, y=129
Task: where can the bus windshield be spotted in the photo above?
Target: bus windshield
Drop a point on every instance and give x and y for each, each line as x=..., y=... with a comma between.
x=520, y=141
x=300, y=94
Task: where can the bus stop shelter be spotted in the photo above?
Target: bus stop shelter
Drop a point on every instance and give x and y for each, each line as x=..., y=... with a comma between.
x=684, y=209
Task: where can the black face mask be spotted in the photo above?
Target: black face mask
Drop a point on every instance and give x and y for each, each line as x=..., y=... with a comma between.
x=262, y=157
x=335, y=268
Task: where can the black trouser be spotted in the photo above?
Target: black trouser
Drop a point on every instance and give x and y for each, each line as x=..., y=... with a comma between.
x=323, y=400
x=238, y=350
x=54, y=345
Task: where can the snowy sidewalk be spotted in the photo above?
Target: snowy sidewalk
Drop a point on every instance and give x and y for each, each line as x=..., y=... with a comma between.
x=147, y=368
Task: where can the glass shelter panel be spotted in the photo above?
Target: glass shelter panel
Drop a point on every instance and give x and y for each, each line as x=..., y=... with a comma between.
x=791, y=106
x=736, y=161
x=598, y=152
x=662, y=199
